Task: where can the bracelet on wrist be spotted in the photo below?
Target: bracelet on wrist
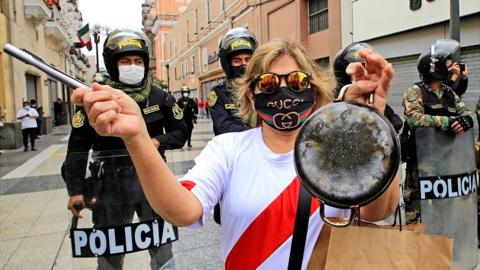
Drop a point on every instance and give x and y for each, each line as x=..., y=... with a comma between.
x=341, y=94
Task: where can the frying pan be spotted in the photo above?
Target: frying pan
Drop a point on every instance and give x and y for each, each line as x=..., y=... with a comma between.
x=346, y=155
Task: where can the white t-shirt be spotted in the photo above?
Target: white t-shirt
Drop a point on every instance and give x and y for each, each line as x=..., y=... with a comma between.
x=258, y=194
x=28, y=122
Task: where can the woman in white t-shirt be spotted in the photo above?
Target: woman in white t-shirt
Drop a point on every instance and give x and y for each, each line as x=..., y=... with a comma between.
x=251, y=173
x=27, y=116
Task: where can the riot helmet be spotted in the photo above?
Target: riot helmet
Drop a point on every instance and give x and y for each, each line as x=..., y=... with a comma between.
x=432, y=62
x=185, y=91
x=122, y=42
x=346, y=56
x=236, y=40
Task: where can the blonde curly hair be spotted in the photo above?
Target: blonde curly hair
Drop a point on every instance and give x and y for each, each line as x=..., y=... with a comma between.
x=322, y=81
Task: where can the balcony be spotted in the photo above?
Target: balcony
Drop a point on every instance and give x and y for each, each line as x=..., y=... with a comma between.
x=164, y=20
x=55, y=30
x=55, y=26
x=37, y=10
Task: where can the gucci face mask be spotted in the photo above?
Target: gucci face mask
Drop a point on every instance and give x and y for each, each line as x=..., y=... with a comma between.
x=284, y=109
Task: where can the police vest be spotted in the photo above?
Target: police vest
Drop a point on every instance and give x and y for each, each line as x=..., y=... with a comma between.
x=432, y=105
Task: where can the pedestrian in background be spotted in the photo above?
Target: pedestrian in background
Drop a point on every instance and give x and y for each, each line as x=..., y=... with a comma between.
x=201, y=107
x=27, y=116
x=190, y=111
x=33, y=104
x=207, y=112
x=57, y=110
x=250, y=173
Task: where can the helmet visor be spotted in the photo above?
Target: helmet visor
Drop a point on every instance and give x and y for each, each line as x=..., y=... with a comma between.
x=444, y=48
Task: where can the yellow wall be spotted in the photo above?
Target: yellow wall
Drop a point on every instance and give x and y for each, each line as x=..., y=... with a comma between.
x=5, y=86
x=30, y=35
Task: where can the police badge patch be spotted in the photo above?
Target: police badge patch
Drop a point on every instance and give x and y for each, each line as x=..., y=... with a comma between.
x=78, y=119
x=412, y=96
x=212, y=98
x=177, y=112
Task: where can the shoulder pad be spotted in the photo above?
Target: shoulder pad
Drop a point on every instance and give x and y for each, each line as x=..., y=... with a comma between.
x=170, y=100
x=219, y=86
x=412, y=93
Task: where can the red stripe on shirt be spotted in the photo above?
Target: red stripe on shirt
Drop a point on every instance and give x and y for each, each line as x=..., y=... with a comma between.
x=272, y=227
x=188, y=184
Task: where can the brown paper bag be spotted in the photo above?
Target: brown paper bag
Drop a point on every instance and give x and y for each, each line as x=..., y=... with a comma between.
x=380, y=247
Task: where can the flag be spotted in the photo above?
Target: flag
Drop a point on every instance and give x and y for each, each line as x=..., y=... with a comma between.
x=84, y=36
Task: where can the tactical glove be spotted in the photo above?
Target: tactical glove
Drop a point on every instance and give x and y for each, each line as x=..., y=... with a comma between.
x=466, y=122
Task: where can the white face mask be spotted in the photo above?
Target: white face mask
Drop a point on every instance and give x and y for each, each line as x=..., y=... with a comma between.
x=185, y=94
x=26, y=107
x=131, y=74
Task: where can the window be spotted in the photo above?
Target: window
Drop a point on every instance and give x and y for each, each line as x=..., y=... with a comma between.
x=196, y=21
x=193, y=64
x=31, y=86
x=205, y=59
x=207, y=12
x=186, y=67
x=188, y=38
x=318, y=15
x=222, y=5
x=183, y=70
x=3, y=7
x=323, y=62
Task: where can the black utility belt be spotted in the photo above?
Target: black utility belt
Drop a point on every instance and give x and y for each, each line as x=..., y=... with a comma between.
x=107, y=241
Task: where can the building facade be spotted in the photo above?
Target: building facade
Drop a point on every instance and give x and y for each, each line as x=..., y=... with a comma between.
x=401, y=33
x=398, y=30
x=191, y=47
x=47, y=29
x=158, y=18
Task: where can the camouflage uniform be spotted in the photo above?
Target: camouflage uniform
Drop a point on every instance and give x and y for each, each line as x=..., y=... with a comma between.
x=477, y=110
x=418, y=115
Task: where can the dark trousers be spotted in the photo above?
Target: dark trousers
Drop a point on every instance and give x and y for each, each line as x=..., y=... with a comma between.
x=120, y=198
x=411, y=194
x=29, y=132
x=39, y=126
x=189, y=132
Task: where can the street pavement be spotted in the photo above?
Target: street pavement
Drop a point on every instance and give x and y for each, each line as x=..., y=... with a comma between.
x=35, y=223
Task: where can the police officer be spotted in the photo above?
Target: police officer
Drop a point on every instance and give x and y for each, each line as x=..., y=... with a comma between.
x=429, y=103
x=348, y=55
x=118, y=192
x=235, y=50
x=457, y=77
x=190, y=111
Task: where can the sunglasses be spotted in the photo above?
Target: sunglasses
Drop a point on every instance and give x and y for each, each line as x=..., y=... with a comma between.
x=268, y=82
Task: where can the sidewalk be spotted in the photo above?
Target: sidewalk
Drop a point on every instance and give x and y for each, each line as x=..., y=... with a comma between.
x=34, y=221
